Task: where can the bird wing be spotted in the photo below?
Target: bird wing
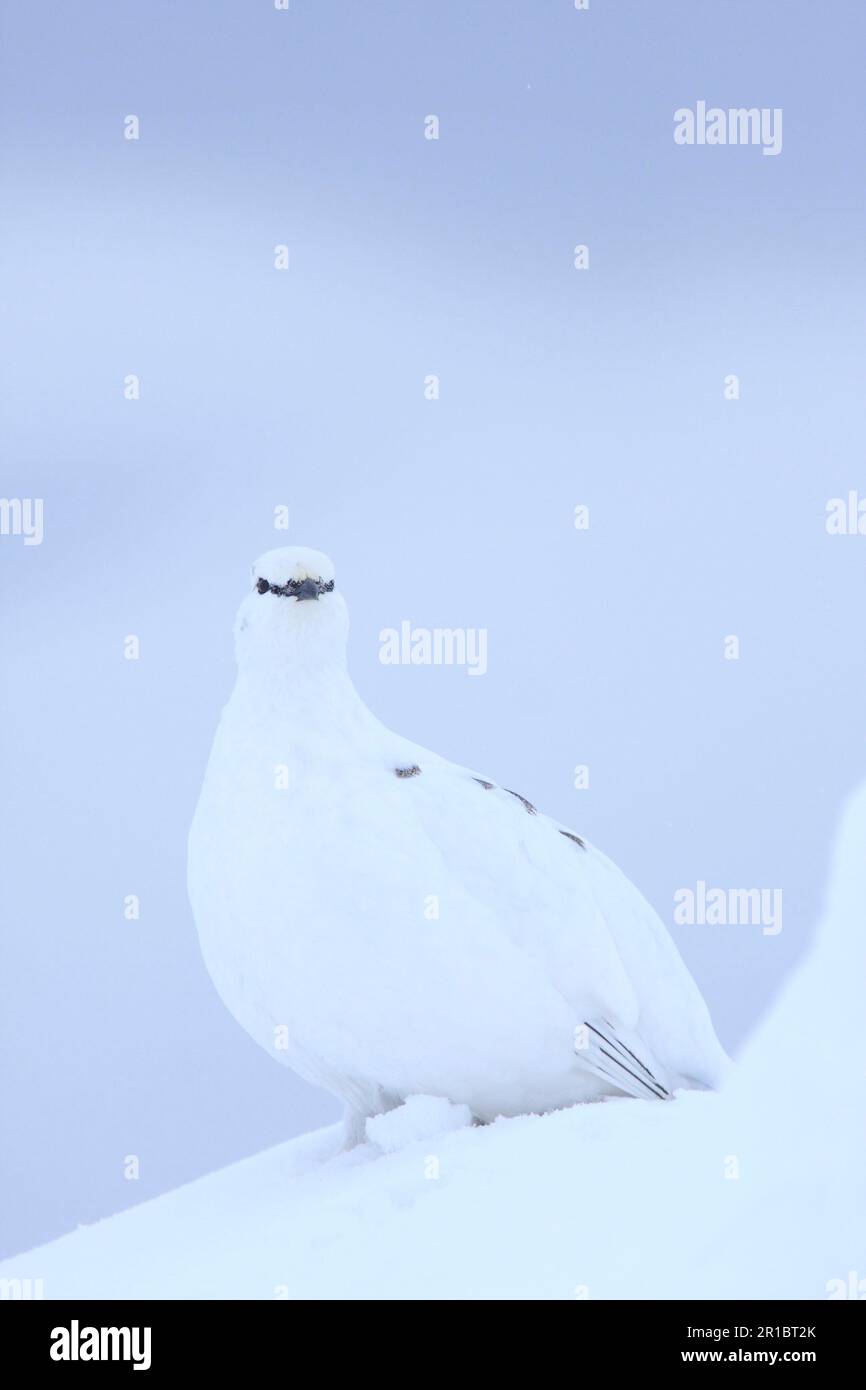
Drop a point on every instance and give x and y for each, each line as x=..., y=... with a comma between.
x=602, y=1049
x=571, y=909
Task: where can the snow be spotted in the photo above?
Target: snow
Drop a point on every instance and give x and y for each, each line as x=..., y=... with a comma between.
x=759, y=1191
x=420, y=1117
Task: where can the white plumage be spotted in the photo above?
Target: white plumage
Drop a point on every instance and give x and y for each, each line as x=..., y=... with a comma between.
x=391, y=924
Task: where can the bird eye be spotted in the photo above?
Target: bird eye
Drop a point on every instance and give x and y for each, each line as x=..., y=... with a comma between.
x=263, y=586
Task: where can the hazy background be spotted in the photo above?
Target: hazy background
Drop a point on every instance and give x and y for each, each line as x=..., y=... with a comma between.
x=305, y=388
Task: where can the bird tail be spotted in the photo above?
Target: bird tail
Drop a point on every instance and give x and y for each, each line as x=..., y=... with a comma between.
x=617, y=1056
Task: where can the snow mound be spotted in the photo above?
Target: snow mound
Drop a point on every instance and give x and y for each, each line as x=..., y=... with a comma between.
x=756, y=1192
x=420, y=1117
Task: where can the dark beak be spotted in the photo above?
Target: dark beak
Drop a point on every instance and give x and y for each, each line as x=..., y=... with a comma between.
x=309, y=589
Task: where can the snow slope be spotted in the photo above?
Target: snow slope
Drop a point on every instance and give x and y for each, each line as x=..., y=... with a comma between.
x=758, y=1192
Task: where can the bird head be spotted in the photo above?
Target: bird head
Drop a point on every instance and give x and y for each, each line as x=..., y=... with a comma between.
x=292, y=611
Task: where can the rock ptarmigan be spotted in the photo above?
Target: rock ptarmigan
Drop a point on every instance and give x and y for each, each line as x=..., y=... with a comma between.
x=390, y=924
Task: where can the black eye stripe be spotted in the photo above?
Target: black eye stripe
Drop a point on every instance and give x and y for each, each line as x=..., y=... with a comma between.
x=290, y=587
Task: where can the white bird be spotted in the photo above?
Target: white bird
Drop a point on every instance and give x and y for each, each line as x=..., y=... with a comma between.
x=391, y=924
